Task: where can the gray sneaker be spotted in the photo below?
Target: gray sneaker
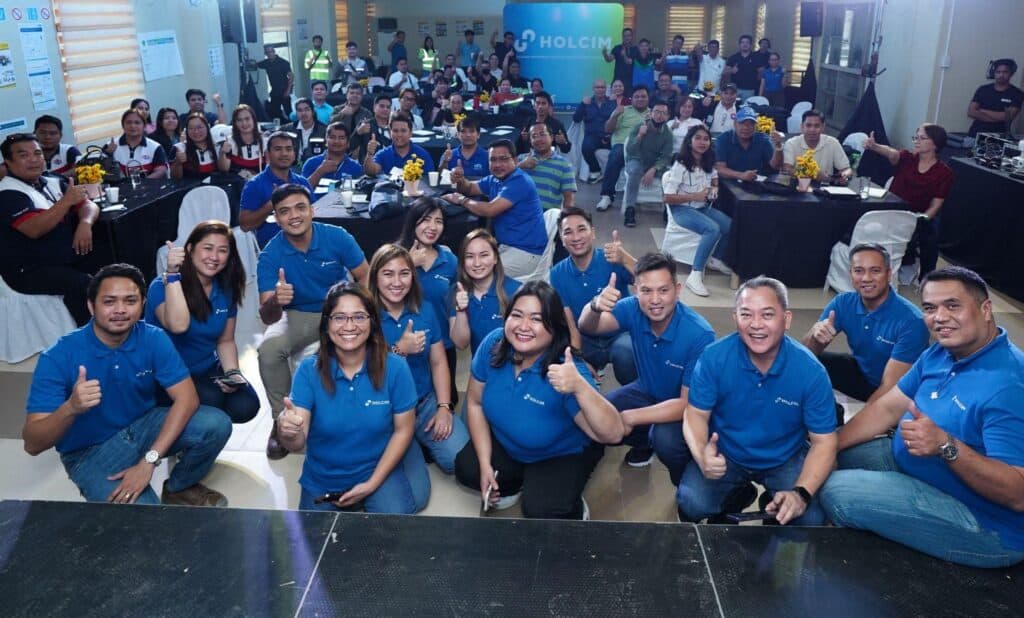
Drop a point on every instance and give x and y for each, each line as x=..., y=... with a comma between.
x=197, y=495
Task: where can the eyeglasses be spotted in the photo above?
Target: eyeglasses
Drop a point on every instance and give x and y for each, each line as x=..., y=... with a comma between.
x=499, y=159
x=918, y=138
x=340, y=319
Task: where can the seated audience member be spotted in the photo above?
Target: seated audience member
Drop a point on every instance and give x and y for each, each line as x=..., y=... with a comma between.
x=335, y=163
x=143, y=106
x=402, y=78
x=648, y=154
x=666, y=92
x=534, y=413
x=46, y=233
x=995, y=106
x=243, y=151
x=743, y=153
x=594, y=113
x=773, y=81
x=407, y=106
x=514, y=208
x=323, y=110
x=433, y=102
x=93, y=397
x=629, y=113
x=413, y=331
x=760, y=409
x=494, y=66
x=134, y=150
x=454, y=75
x=456, y=105
x=690, y=188
x=950, y=482
x=294, y=273
x=552, y=173
x=885, y=331
x=60, y=158
x=577, y=277
x=351, y=68
x=167, y=133
x=482, y=291
x=719, y=115
x=828, y=152
x=683, y=122
x=924, y=181
x=256, y=204
x=197, y=104
x=399, y=152
x=196, y=302
x=513, y=73
x=545, y=114
x=352, y=114
x=504, y=93
x=667, y=338
x=353, y=410
x=196, y=157
x=467, y=155
x=376, y=130
x=307, y=127
x=480, y=77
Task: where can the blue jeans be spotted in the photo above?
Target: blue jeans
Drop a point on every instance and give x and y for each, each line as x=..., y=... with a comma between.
x=616, y=161
x=712, y=225
x=197, y=448
x=592, y=142
x=635, y=169
x=615, y=349
x=443, y=451
x=405, y=491
x=241, y=406
x=665, y=438
x=869, y=493
x=699, y=497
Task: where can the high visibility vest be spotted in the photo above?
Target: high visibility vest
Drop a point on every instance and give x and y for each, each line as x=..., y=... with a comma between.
x=319, y=66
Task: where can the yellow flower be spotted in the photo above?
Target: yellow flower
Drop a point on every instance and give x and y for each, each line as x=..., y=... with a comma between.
x=765, y=125
x=458, y=118
x=806, y=166
x=484, y=97
x=413, y=169
x=709, y=86
x=89, y=174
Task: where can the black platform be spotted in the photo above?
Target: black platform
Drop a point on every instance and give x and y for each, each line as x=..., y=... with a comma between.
x=94, y=559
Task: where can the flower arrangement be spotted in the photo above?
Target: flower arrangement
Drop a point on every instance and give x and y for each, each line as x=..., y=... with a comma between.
x=413, y=169
x=806, y=166
x=365, y=82
x=765, y=125
x=485, y=97
x=709, y=86
x=89, y=174
x=458, y=118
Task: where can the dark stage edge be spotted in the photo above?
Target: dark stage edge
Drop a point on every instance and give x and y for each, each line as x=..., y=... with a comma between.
x=80, y=559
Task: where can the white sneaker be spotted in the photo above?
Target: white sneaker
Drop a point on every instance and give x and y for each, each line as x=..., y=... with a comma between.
x=719, y=265
x=604, y=203
x=507, y=502
x=586, y=509
x=695, y=283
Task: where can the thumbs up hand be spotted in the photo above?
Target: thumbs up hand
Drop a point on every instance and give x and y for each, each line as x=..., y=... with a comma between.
x=605, y=301
x=446, y=156
x=175, y=257
x=461, y=297
x=870, y=142
x=85, y=395
x=565, y=377
x=458, y=174
x=921, y=435
x=613, y=249
x=180, y=156
x=284, y=290
x=290, y=422
x=372, y=145
x=825, y=331
x=412, y=342
x=713, y=463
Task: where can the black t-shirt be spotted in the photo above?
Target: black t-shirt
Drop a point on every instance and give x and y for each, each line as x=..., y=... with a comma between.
x=623, y=70
x=988, y=98
x=746, y=77
x=501, y=49
x=277, y=73
x=16, y=249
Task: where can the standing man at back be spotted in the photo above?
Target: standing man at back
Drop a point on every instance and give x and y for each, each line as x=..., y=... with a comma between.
x=281, y=79
x=318, y=61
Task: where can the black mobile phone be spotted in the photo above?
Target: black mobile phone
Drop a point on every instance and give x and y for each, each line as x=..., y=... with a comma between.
x=334, y=496
x=741, y=517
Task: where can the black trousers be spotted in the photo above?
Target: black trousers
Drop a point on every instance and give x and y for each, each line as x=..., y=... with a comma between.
x=552, y=488
x=452, y=354
x=279, y=106
x=70, y=280
x=846, y=378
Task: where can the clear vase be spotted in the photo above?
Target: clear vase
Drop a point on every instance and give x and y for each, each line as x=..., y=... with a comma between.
x=803, y=184
x=412, y=188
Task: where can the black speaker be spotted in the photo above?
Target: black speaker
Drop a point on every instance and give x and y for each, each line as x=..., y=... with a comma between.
x=812, y=18
x=231, y=12
x=387, y=24
x=251, y=29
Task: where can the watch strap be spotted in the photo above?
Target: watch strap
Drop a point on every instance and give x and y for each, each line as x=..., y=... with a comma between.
x=804, y=494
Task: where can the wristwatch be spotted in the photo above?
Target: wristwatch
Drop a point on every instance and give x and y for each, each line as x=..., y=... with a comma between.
x=152, y=457
x=449, y=406
x=804, y=494
x=593, y=305
x=949, y=450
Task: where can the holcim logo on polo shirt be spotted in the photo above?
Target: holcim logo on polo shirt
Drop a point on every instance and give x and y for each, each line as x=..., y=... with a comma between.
x=884, y=340
x=673, y=365
x=960, y=405
x=532, y=399
x=561, y=42
x=220, y=311
x=327, y=263
x=377, y=402
x=787, y=402
x=143, y=373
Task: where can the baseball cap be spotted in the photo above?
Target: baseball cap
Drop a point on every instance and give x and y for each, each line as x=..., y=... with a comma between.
x=730, y=86
x=746, y=113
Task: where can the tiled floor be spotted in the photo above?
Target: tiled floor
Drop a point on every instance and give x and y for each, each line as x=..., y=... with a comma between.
x=244, y=474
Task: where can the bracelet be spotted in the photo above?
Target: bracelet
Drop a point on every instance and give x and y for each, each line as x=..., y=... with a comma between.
x=593, y=305
x=397, y=350
x=233, y=372
x=447, y=405
x=172, y=278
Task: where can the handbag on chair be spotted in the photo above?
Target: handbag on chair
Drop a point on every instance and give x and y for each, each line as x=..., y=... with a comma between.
x=111, y=169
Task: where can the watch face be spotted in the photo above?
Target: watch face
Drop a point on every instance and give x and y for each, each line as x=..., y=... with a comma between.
x=152, y=457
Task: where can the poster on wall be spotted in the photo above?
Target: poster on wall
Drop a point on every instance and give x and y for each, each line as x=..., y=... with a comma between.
x=215, y=55
x=159, y=54
x=478, y=27
x=423, y=28
x=441, y=28
x=37, y=66
x=461, y=26
x=7, y=77
x=14, y=125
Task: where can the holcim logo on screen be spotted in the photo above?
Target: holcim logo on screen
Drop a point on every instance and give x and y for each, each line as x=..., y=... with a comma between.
x=561, y=42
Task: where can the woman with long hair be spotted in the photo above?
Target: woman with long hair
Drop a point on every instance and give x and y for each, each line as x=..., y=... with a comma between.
x=166, y=132
x=242, y=152
x=413, y=331
x=196, y=301
x=481, y=291
x=133, y=150
x=353, y=408
x=429, y=58
x=534, y=413
x=690, y=188
x=195, y=156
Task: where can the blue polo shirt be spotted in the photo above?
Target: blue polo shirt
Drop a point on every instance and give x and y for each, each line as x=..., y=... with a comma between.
x=762, y=420
x=757, y=157
x=128, y=375
x=894, y=330
x=349, y=430
x=347, y=167
x=331, y=255
x=256, y=192
x=978, y=400
x=522, y=225
x=664, y=362
x=197, y=345
x=578, y=287
x=388, y=158
x=436, y=284
x=528, y=416
x=323, y=112
x=419, y=364
x=475, y=166
x=484, y=313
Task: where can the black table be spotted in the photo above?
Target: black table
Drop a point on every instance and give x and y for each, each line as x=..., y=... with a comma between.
x=789, y=237
x=981, y=225
x=112, y=560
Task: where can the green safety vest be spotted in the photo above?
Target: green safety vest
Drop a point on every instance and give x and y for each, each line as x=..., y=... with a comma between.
x=319, y=67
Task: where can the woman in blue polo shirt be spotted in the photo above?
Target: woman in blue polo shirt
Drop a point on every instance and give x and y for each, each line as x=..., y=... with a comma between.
x=534, y=413
x=352, y=408
x=196, y=155
x=413, y=332
x=242, y=152
x=196, y=302
x=481, y=291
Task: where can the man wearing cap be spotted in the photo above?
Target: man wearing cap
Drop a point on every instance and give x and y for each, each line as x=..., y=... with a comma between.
x=743, y=153
x=720, y=114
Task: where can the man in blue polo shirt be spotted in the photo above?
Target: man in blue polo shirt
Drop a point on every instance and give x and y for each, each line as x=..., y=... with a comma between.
x=884, y=330
x=667, y=338
x=743, y=153
x=756, y=399
x=578, y=277
x=950, y=482
x=295, y=271
x=514, y=207
x=468, y=155
x=335, y=163
x=93, y=397
x=399, y=152
x=255, y=205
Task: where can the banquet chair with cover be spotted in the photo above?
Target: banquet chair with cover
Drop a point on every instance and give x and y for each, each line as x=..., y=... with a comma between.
x=892, y=229
x=200, y=204
x=32, y=323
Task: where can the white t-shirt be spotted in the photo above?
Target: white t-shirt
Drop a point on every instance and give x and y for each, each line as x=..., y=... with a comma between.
x=829, y=154
x=680, y=131
x=723, y=118
x=678, y=179
x=711, y=71
x=399, y=81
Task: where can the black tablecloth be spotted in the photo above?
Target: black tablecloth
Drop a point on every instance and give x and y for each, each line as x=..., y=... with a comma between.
x=981, y=225
x=789, y=237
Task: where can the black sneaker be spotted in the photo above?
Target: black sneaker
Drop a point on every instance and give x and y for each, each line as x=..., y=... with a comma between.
x=639, y=457
x=630, y=218
x=737, y=500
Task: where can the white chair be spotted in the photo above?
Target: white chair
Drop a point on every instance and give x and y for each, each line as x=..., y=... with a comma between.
x=757, y=101
x=375, y=83
x=32, y=323
x=647, y=195
x=551, y=229
x=680, y=242
x=248, y=251
x=890, y=228
x=220, y=132
x=200, y=204
x=855, y=141
x=888, y=182
x=793, y=124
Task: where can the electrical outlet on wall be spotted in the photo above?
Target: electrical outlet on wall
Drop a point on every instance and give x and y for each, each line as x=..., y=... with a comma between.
x=945, y=62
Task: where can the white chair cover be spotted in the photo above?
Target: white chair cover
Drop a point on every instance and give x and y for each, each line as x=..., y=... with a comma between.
x=793, y=125
x=680, y=242
x=575, y=156
x=856, y=141
x=248, y=251
x=32, y=323
x=220, y=132
x=890, y=228
x=200, y=204
x=757, y=101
